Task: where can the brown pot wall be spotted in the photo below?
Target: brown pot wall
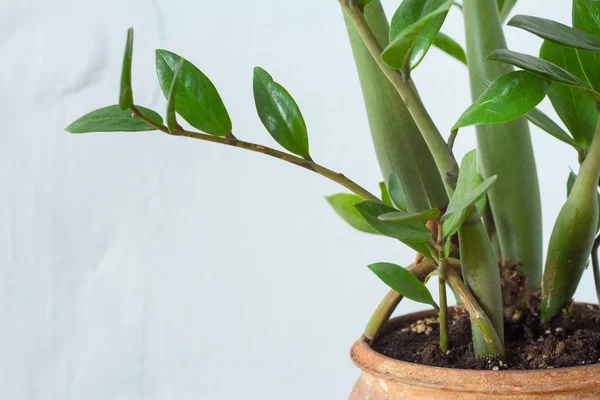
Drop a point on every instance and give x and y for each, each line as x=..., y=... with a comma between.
x=385, y=378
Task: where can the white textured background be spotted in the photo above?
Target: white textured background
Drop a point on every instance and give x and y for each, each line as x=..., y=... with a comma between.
x=141, y=266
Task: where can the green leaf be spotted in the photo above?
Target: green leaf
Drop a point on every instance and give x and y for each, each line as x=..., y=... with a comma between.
x=586, y=17
x=556, y=32
x=542, y=121
x=385, y=195
x=113, y=119
x=469, y=190
x=343, y=204
x=505, y=7
x=570, y=183
x=575, y=108
x=280, y=114
x=398, y=216
x=509, y=97
x=412, y=31
x=198, y=101
x=470, y=198
x=408, y=231
x=171, y=99
x=403, y=282
x=450, y=47
x=126, y=92
x=427, y=37
x=397, y=192
x=540, y=67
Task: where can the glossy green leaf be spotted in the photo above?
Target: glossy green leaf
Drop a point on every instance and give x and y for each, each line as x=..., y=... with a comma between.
x=575, y=108
x=397, y=192
x=556, y=32
x=571, y=182
x=586, y=17
x=126, y=92
x=399, y=216
x=403, y=282
x=470, y=189
x=542, y=121
x=477, y=180
x=450, y=47
x=545, y=123
x=280, y=114
x=171, y=99
x=198, y=101
x=113, y=119
x=385, y=195
x=505, y=7
x=509, y=97
x=427, y=37
x=540, y=67
x=408, y=231
x=470, y=198
x=344, y=205
x=412, y=31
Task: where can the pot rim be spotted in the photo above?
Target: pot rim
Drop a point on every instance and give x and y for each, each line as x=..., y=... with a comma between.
x=506, y=381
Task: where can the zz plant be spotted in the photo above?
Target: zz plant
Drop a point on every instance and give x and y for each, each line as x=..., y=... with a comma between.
x=468, y=223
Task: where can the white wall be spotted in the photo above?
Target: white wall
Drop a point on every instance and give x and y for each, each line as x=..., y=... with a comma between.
x=141, y=266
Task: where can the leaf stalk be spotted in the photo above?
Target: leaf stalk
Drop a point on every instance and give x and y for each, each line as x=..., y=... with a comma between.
x=231, y=140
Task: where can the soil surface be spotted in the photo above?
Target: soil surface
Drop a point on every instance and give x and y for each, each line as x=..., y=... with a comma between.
x=570, y=340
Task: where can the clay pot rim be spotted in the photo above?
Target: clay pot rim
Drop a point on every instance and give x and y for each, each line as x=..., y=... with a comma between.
x=542, y=380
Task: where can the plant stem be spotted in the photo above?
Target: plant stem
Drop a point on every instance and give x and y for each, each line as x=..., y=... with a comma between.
x=398, y=143
x=504, y=150
x=452, y=139
x=443, y=313
x=479, y=265
x=596, y=267
x=230, y=140
x=482, y=276
x=572, y=238
x=476, y=314
x=442, y=155
x=391, y=300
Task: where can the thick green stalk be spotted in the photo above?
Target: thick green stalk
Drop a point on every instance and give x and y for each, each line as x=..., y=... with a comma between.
x=444, y=160
x=479, y=318
x=505, y=150
x=480, y=268
x=572, y=236
x=398, y=142
x=482, y=276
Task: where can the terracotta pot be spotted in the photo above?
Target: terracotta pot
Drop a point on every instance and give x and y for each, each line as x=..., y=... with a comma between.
x=385, y=378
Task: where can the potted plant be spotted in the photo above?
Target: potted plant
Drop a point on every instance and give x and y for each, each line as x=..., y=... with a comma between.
x=475, y=226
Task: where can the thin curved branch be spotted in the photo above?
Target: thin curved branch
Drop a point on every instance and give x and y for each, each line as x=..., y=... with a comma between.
x=231, y=140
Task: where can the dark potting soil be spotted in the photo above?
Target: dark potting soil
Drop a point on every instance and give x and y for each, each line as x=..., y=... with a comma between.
x=570, y=340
